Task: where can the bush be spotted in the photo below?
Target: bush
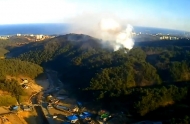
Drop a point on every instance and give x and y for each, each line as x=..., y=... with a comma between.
x=7, y=100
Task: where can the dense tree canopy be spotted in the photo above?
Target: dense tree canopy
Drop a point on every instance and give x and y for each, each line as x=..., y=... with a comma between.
x=12, y=87
x=86, y=56
x=121, y=76
x=151, y=99
x=125, y=76
x=15, y=67
x=147, y=63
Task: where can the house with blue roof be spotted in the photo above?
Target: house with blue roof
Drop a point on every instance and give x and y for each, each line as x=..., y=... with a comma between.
x=72, y=118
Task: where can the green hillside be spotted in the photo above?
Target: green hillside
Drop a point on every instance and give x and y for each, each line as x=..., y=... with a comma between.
x=81, y=54
x=15, y=67
x=149, y=81
x=3, y=52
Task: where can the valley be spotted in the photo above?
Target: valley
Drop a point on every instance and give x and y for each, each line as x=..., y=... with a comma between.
x=148, y=82
x=94, y=62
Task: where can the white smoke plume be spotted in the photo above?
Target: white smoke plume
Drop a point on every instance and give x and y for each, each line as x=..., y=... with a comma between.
x=109, y=25
x=125, y=39
x=120, y=39
x=111, y=30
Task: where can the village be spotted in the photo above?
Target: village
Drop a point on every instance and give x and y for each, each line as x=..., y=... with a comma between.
x=54, y=105
x=22, y=39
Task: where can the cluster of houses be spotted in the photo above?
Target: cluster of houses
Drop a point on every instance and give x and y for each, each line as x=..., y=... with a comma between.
x=38, y=37
x=55, y=102
x=84, y=116
x=4, y=37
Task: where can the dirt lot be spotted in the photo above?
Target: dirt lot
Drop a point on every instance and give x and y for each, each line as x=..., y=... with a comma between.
x=28, y=117
x=4, y=110
x=25, y=117
x=60, y=115
x=20, y=118
x=17, y=118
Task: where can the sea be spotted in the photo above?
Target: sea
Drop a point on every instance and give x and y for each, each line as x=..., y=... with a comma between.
x=152, y=30
x=46, y=29
x=63, y=28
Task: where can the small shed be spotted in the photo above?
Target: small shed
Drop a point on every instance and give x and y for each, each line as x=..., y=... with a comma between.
x=27, y=108
x=74, y=108
x=62, y=107
x=25, y=81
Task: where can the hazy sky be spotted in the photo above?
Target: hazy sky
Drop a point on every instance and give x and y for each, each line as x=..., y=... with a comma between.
x=174, y=14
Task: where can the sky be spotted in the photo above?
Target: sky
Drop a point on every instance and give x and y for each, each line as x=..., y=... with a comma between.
x=172, y=14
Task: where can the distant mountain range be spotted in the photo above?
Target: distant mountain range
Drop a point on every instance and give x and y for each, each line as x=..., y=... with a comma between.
x=57, y=29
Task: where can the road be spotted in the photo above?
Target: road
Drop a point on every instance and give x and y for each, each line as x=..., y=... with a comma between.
x=42, y=119
x=54, y=82
x=43, y=112
x=44, y=116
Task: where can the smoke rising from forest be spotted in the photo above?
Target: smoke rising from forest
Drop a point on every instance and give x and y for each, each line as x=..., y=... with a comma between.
x=110, y=30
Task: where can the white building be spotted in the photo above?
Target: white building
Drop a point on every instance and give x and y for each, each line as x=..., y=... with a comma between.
x=3, y=38
x=38, y=37
x=168, y=38
x=18, y=35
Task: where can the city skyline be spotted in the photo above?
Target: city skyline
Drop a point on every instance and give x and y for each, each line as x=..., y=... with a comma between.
x=158, y=13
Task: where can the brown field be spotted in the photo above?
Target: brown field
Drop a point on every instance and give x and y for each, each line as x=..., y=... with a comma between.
x=35, y=85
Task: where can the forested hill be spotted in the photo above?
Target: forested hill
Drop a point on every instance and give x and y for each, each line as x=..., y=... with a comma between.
x=49, y=49
x=150, y=80
x=83, y=59
x=80, y=57
x=13, y=67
